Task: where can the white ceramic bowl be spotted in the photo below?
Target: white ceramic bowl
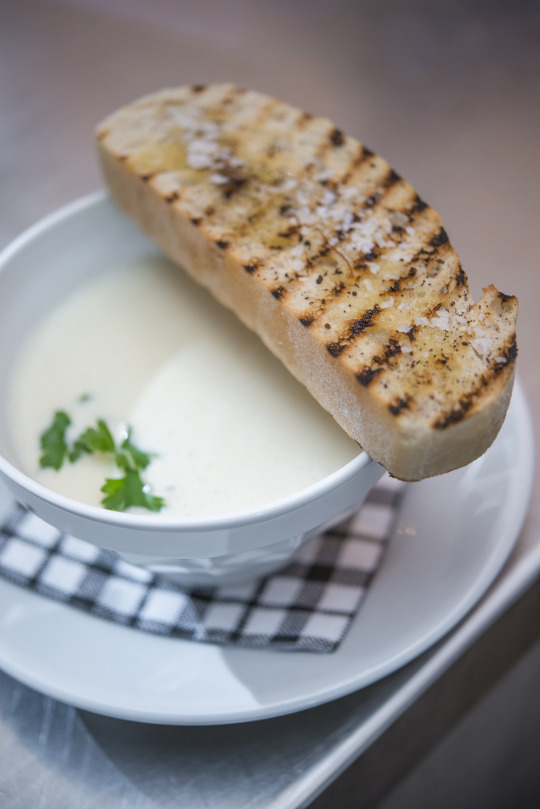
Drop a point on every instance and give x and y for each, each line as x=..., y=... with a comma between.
x=38, y=268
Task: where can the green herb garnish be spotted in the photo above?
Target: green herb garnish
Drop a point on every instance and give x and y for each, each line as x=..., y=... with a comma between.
x=94, y=439
x=53, y=441
x=139, y=459
x=120, y=493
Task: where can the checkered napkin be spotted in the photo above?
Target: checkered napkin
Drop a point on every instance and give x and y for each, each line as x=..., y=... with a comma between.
x=309, y=605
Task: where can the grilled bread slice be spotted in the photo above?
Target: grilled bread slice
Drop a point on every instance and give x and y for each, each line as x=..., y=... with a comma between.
x=330, y=257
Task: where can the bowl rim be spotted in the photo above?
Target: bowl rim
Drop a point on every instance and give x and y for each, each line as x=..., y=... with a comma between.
x=222, y=520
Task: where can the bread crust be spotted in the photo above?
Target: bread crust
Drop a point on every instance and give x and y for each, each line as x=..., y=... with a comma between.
x=331, y=258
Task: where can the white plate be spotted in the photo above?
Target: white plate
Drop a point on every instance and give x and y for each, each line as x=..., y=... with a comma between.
x=453, y=536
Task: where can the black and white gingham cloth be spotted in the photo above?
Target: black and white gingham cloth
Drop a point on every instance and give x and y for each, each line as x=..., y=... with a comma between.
x=309, y=605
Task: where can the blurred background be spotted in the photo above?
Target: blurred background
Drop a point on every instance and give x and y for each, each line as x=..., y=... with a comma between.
x=448, y=92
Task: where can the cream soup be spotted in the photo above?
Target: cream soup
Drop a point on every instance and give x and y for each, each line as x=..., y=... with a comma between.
x=144, y=346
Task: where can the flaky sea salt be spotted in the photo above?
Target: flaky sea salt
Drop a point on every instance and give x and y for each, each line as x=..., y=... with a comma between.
x=198, y=157
x=481, y=345
x=441, y=321
x=398, y=218
x=219, y=179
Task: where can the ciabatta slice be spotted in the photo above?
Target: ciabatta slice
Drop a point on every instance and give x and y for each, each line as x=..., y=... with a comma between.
x=330, y=257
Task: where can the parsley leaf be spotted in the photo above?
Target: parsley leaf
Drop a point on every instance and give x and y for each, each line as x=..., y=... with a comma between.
x=140, y=459
x=121, y=493
x=53, y=441
x=94, y=439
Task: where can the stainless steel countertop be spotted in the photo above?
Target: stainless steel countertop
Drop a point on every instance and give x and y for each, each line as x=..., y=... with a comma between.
x=449, y=94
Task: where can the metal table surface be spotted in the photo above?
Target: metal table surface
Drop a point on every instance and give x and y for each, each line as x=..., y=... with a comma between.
x=448, y=93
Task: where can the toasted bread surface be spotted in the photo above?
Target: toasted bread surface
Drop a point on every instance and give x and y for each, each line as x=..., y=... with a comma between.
x=320, y=247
